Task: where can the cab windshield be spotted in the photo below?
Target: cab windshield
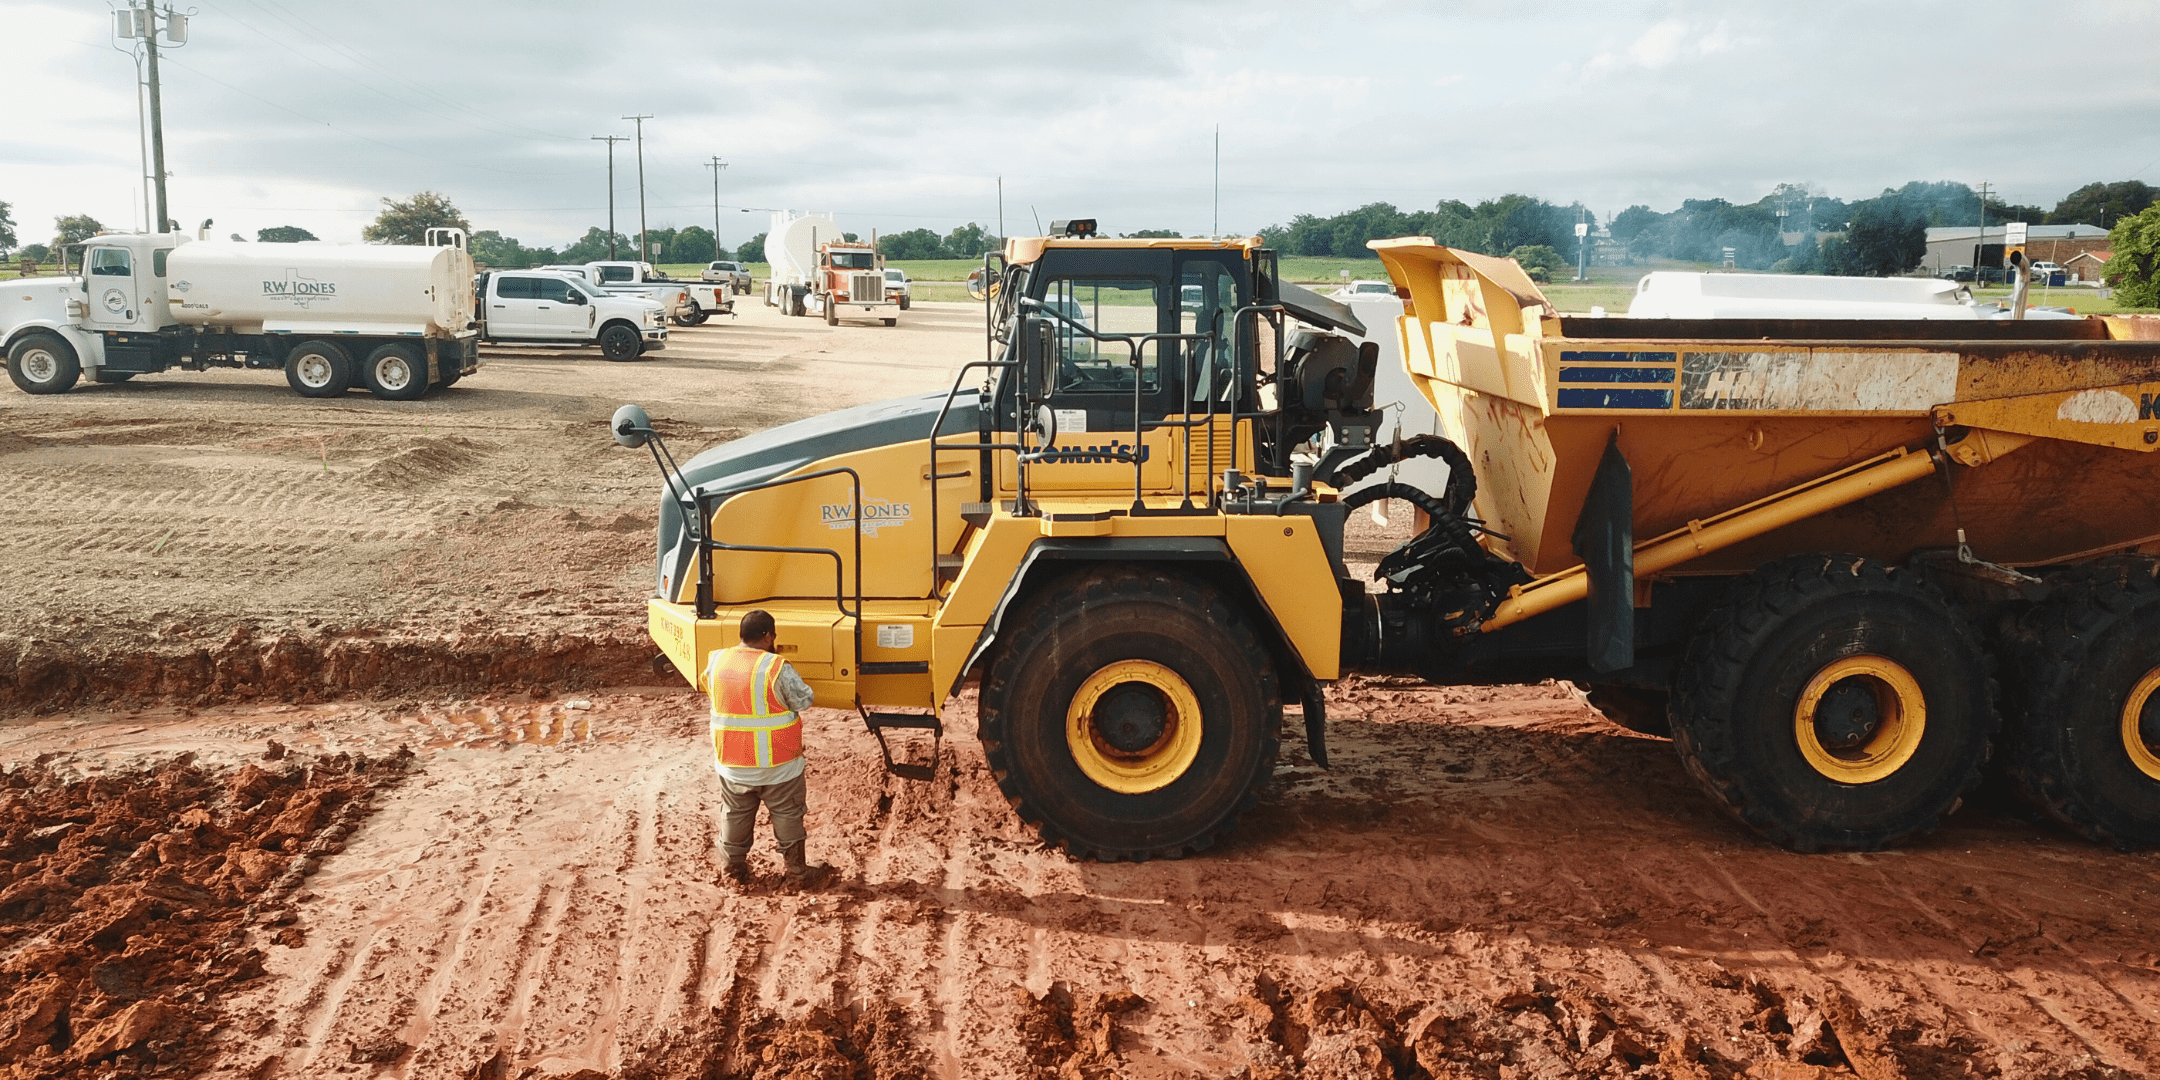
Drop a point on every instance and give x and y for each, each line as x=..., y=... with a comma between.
x=854, y=260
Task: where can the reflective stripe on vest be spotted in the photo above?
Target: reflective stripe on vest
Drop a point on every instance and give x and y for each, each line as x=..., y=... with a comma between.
x=752, y=728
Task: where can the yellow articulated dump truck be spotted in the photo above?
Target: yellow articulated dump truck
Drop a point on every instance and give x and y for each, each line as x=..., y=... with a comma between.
x=1840, y=562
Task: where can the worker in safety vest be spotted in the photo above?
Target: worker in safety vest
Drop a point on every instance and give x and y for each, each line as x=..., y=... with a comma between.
x=757, y=700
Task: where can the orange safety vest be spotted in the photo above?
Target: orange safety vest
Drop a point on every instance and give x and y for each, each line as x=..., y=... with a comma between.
x=752, y=728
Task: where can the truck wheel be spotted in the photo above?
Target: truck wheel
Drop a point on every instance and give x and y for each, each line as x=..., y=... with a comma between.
x=1833, y=703
x=904, y=303
x=1644, y=711
x=892, y=322
x=619, y=342
x=832, y=312
x=43, y=364
x=696, y=316
x=395, y=373
x=318, y=369
x=2083, y=740
x=1140, y=730
x=796, y=307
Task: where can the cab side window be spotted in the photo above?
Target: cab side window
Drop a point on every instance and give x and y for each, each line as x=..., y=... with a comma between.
x=1207, y=304
x=157, y=261
x=111, y=262
x=516, y=288
x=1104, y=306
x=554, y=289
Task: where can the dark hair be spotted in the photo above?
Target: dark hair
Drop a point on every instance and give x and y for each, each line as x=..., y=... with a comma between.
x=757, y=625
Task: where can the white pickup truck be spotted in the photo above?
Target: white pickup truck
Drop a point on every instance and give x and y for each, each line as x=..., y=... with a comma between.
x=531, y=307
x=700, y=300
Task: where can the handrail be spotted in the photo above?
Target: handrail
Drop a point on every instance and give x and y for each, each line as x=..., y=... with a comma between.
x=707, y=607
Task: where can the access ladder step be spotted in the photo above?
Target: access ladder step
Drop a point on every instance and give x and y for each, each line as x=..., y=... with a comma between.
x=881, y=722
x=975, y=513
x=949, y=566
x=925, y=721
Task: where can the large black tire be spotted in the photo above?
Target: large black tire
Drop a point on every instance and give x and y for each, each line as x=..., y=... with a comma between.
x=396, y=373
x=832, y=312
x=892, y=322
x=318, y=369
x=619, y=341
x=1114, y=628
x=696, y=316
x=2083, y=738
x=906, y=302
x=1834, y=704
x=43, y=364
x=796, y=307
x=1646, y=712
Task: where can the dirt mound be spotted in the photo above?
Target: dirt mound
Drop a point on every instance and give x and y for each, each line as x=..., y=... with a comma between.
x=40, y=675
x=426, y=459
x=126, y=900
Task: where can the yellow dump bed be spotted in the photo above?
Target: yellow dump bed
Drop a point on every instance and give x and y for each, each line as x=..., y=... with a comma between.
x=1714, y=415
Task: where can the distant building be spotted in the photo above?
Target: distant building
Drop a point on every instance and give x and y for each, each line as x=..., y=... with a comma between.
x=2087, y=265
x=1952, y=245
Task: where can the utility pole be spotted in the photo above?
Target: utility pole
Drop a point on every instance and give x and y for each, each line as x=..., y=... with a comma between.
x=1001, y=210
x=642, y=251
x=157, y=123
x=142, y=23
x=611, y=140
x=1215, y=229
x=716, y=165
x=1980, y=241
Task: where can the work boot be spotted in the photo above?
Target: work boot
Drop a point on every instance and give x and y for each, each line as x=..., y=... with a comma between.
x=737, y=870
x=801, y=872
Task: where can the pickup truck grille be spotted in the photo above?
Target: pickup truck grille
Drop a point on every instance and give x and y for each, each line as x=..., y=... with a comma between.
x=869, y=287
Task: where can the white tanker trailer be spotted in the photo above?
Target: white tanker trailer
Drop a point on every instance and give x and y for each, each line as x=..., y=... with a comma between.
x=397, y=319
x=791, y=248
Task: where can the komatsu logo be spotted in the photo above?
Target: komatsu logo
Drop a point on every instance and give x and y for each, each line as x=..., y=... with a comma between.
x=1117, y=452
x=300, y=290
x=876, y=514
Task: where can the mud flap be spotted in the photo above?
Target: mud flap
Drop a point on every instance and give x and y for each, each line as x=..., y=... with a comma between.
x=1315, y=706
x=1605, y=541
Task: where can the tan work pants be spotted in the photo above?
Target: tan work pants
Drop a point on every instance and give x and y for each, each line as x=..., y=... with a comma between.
x=785, y=800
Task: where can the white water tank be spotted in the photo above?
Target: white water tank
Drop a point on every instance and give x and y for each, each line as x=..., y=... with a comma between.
x=1672, y=294
x=331, y=288
x=792, y=242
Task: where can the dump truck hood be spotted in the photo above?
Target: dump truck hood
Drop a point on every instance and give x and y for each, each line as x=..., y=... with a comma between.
x=788, y=448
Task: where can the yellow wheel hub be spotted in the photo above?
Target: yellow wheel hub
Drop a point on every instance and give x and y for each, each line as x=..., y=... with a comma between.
x=1860, y=719
x=2142, y=740
x=1133, y=726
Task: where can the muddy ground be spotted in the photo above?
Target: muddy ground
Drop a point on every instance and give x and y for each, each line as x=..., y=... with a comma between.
x=1489, y=883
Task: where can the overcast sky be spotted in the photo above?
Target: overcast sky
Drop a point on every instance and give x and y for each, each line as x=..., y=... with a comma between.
x=903, y=115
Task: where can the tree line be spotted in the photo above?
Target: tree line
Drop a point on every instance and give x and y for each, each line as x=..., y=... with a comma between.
x=1794, y=228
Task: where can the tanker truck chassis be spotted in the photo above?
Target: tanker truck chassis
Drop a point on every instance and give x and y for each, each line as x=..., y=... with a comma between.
x=1842, y=564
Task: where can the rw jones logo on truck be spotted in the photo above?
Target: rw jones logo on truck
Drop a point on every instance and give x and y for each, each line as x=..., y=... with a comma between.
x=300, y=290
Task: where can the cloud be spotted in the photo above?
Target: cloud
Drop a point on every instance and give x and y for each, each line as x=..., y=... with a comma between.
x=905, y=116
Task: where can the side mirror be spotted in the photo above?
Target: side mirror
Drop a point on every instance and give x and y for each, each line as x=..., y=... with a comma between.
x=1038, y=372
x=575, y=299
x=632, y=427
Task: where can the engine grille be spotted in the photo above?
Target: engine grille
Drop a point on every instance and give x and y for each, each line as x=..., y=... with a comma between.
x=866, y=287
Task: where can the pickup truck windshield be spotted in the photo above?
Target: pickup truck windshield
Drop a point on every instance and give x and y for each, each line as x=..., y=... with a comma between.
x=854, y=260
